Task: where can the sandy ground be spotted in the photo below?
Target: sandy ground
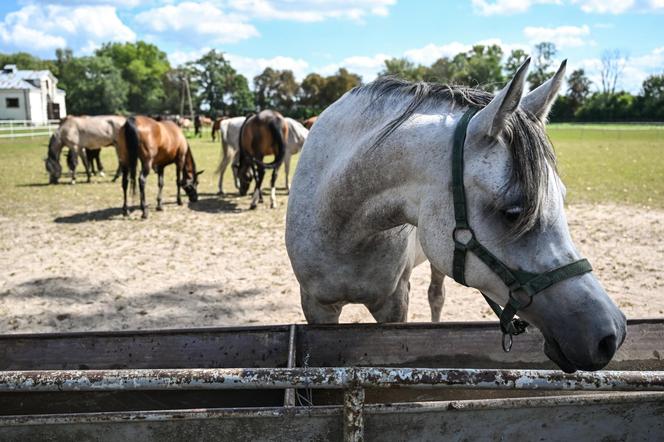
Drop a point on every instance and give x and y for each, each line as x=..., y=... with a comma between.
x=218, y=264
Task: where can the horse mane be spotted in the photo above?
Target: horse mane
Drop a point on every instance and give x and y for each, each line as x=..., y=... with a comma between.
x=531, y=150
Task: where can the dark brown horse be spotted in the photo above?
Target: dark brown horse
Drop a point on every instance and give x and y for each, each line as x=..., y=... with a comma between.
x=262, y=134
x=157, y=144
x=216, y=127
x=310, y=122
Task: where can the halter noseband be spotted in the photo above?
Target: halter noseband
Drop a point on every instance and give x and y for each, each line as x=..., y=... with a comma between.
x=515, y=280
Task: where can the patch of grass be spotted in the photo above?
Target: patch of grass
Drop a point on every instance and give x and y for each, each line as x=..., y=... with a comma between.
x=622, y=164
x=599, y=163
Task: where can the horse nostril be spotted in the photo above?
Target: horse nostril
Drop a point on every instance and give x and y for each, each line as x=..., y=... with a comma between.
x=607, y=347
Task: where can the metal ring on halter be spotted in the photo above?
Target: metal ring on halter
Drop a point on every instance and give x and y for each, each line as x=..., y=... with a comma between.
x=507, y=342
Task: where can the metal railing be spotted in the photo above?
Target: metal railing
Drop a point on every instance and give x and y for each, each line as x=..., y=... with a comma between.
x=27, y=128
x=353, y=380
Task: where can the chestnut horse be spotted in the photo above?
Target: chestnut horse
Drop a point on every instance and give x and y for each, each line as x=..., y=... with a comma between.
x=157, y=144
x=262, y=134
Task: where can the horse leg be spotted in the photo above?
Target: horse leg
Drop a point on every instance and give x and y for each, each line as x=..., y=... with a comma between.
x=317, y=313
x=436, y=294
x=160, y=180
x=118, y=171
x=84, y=159
x=177, y=182
x=286, y=171
x=259, y=173
x=393, y=308
x=225, y=160
x=100, y=166
x=72, y=159
x=142, y=179
x=125, y=183
x=89, y=154
x=273, y=189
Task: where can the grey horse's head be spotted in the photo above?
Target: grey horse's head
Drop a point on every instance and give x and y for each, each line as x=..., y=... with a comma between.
x=515, y=205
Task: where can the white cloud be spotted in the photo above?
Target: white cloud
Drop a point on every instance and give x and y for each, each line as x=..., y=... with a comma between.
x=192, y=21
x=366, y=67
x=604, y=6
x=312, y=11
x=635, y=71
x=562, y=36
x=250, y=67
x=430, y=53
x=503, y=7
x=53, y=26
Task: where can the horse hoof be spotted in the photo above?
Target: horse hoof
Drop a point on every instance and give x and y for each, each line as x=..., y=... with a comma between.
x=179, y=202
x=144, y=216
x=125, y=212
x=159, y=209
x=102, y=174
x=72, y=182
x=252, y=207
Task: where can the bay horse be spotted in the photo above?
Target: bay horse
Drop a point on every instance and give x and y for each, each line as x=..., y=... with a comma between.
x=261, y=134
x=309, y=122
x=397, y=173
x=156, y=144
x=78, y=134
x=230, y=139
x=216, y=127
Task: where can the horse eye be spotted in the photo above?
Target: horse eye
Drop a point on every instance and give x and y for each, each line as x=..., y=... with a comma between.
x=512, y=214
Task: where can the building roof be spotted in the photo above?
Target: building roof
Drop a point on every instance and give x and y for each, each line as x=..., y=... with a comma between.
x=14, y=83
x=13, y=78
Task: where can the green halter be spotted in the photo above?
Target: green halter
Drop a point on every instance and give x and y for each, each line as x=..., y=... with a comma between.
x=515, y=280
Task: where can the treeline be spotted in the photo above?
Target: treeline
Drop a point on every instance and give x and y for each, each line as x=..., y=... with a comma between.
x=138, y=78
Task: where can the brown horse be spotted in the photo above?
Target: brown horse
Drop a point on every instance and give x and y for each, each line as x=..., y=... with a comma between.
x=216, y=127
x=310, y=122
x=262, y=134
x=157, y=144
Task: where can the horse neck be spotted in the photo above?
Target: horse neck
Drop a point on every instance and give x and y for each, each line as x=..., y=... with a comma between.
x=189, y=164
x=55, y=145
x=384, y=186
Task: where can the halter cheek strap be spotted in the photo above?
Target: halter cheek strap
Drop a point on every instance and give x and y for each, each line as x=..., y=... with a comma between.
x=515, y=280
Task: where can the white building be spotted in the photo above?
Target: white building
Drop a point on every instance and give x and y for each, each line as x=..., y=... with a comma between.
x=30, y=95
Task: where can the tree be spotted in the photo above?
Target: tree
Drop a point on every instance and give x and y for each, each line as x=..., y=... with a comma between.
x=479, y=67
x=516, y=58
x=338, y=84
x=218, y=86
x=542, y=61
x=404, y=69
x=578, y=88
x=442, y=71
x=311, y=90
x=613, y=64
x=26, y=61
x=276, y=89
x=143, y=67
x=652, y=98
x=94, y=86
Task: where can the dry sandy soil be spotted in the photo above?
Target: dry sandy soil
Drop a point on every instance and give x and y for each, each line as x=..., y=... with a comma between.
x=218, y=264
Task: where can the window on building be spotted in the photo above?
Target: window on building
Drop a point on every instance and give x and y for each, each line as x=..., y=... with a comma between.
x=11, y=102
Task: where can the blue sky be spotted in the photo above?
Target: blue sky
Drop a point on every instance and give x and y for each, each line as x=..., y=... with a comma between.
x=323, y=35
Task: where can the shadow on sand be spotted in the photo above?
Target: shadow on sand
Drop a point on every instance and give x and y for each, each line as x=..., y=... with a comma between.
x=215, y=205
x=95, y=215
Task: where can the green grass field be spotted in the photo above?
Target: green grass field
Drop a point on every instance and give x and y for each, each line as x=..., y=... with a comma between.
x=622, y=164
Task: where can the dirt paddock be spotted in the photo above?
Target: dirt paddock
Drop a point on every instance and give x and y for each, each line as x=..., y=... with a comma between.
x=216, y=264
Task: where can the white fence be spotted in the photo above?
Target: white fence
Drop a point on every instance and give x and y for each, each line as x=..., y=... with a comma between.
x=26, y=128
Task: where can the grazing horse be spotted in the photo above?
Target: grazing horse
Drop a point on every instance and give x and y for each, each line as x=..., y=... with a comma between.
x=78, y=133
x=156, y=144
x=462, y=178
x=309, y=122
x=230, y=139
x=262, y=134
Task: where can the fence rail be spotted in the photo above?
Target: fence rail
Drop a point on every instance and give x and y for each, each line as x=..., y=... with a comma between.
x=26, y=128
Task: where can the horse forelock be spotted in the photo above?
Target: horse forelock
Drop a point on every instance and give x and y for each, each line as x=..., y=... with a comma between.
x=531, y=151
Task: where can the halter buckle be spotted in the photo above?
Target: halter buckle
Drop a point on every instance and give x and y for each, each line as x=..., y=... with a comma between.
x=458, y=240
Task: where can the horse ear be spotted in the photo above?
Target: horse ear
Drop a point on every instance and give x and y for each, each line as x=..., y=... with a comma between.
x=490, y=121
x=198, y=173
x=539, y=101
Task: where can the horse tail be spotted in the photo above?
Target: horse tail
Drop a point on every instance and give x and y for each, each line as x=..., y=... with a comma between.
x=276, y=125
x=132, y=141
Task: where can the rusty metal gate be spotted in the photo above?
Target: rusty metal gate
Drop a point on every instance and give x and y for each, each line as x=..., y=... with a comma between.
x=137, y=385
